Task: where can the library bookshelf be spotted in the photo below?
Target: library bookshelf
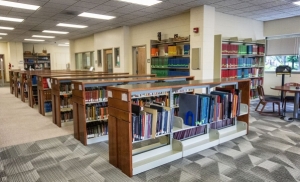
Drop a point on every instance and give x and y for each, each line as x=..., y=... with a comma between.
x=84, y=96
x=236, y=58
x=170, y=57
x=11, y=76
x=61, y=93
x=44, y=86
x=131, y=160
x=18, y=89
x=39, y=61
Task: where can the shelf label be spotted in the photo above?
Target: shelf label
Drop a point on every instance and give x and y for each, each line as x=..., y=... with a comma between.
x=80, y=87
x=109, y=93
x=72, y=86
x=124, y=97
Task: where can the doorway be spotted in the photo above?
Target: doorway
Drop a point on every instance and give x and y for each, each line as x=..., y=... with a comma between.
x=108, y=61
x=139, y=65
x=2, y=57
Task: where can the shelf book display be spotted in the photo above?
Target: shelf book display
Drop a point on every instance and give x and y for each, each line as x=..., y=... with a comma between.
x=170, y=57
x=240, y=59
x=44, y=85
x=90, y=97
x=11, y=75
x=61, y=88
x=24, y=86
x=39, y=61
x=137, y=142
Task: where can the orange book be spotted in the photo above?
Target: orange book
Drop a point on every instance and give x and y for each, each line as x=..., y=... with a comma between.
x=102, y=113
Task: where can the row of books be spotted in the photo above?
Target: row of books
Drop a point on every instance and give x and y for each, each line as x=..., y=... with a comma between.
x=34, y=80
x=188, y=133
x=65, y=102
x=65, y=88
x=150, y=122
x=241, y=62
x=181, y=62
x=97, y=128
x=242, y=73
x=222, y=124
x=242, y=49
x=46, y=83
x=201, y=109
x=255, y=82
x=163, y=73
x=48, y=106
x=96, y=112
x=66, y=116
x=171, y=50
x=163, y=99
x=47, y=95
x=96, y=94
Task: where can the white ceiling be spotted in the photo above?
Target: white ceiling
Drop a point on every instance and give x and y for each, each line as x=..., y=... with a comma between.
x=53, y=12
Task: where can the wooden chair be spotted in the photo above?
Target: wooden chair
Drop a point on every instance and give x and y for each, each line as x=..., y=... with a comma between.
x=264, y=101
x=288, y=98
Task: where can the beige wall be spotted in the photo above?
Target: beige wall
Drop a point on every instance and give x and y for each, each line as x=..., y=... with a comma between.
x=3, y=50
x=234, y=26
x=85, y=44
x=59, y=55
x=282, y=26
x=143, y=33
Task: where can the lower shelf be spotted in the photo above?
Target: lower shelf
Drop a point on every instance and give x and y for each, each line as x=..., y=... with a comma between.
x=233, y=132
x=154, y=158
x=97, y=139
x=67, y=123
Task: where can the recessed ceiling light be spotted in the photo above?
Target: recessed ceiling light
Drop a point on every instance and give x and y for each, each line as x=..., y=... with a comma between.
x=97, y=16
x=3, y=33
x=37, y=40
x=140, y=2
x=57, y=32
x=297, y=3
x=44, y=36
x=0, y=37
x=63, y=45
x=67, y=43
x=7, y=28
x=11, y=19
x=18, y=5
x=70, y=25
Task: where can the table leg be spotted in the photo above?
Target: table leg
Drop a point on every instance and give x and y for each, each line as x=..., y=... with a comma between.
x=296, y=105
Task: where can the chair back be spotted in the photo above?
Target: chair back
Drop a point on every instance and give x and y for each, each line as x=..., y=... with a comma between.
x=261, y=93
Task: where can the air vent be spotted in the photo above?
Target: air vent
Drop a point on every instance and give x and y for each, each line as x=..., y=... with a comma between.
x=35, y=30
x=66, y=12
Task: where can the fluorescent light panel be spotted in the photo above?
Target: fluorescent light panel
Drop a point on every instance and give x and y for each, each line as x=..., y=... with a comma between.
x=36, y=40
x=63, y=45
x=57, y=32
x=142, y=2
x=18, y=5
x=0, y=37
x=11, y=19
x=3, y=33
x=97, y=16
x=7, y=28
x=43, y=36
x=297, y=3
x=71, y=25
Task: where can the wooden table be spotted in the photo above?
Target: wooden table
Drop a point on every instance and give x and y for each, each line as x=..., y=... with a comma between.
x=296, y=100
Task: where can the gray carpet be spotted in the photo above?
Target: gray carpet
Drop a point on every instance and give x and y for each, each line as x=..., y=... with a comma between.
x=270, y=152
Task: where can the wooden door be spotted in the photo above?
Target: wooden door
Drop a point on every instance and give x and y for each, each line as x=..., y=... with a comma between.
x=108, y=61
x=141, y=61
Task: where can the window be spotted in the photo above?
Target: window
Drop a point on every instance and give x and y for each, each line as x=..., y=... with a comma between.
x=272, y=62
x=117, y=57
x=282, y=50
x=84, y=60
x=99, y=58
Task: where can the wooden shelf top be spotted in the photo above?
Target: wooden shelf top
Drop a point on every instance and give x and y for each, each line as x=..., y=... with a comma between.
x=179, y=84
x=40, y=72
x=86, y=77
x=137, y=79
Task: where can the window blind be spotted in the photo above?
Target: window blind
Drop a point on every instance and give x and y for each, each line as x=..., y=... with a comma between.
x=283, y=46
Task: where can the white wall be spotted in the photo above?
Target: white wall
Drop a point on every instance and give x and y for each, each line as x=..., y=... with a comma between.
x=282, y=26
x=234, y=26
x=143, y=33
x=59, y=55
x=111, y=39
x=85, y=44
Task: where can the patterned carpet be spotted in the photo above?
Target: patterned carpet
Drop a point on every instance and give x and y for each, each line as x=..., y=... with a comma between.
x=270, y=152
